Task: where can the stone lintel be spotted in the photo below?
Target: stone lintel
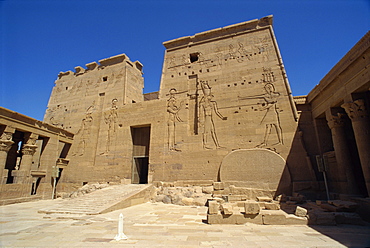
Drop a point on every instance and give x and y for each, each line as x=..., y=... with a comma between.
x=220, y=32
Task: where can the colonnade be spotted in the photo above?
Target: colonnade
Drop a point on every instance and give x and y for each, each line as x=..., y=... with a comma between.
x=359, y=116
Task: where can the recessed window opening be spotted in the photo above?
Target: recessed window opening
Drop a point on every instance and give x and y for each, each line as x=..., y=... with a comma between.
x=194, y=57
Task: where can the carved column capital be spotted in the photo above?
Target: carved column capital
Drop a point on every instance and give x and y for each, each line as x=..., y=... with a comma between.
x=5, y=145
x=29, y=149
x=335, y=121
x=356, y=110
x=6, y=141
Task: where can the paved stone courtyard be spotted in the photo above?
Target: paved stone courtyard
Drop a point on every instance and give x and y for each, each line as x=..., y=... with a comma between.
x=160, y=225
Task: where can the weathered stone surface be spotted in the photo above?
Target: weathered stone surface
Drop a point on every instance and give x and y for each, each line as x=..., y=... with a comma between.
x=251, y=208
x=264, y=199
x=213, y=207
x=226, y=209
x=207, y=190
x=248, y=165
x=271, y=217
x=271, y=206
x=187, y=201
x=300, y=212
x=218, y=185
x=295, y=220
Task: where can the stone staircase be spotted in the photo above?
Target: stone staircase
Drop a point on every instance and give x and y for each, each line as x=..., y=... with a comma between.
x=104, y=200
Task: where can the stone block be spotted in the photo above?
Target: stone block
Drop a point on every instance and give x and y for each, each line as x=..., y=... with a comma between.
x=295, y=220
x=264, y=199
x=300, y=212
x=213, y=207
x=226, y=209
x=235, y=198
x=218, y=185
x=273, y=217
x=207, y=189
x=251, y=208
x=214, y=219
x=187, y=201
x=328, y=207
x=262, y=204
x=200, y=201
x=251, y=218
x=272, y=206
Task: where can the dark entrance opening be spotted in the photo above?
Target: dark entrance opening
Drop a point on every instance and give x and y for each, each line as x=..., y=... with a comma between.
x=140, y=170
x=140, y=155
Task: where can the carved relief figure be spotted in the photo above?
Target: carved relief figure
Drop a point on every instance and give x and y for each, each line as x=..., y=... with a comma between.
x=173, y=110
x=85, y=129
x=271, y=118
x=208, y=106
x=84, y=133
x=111, y=120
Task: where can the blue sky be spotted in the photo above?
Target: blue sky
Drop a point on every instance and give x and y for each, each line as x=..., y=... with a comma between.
x=38, y=39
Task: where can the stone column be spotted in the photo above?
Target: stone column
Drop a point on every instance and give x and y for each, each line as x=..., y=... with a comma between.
x=28, y=150
x=358, y=114
x=345, y=173
x=6, y=143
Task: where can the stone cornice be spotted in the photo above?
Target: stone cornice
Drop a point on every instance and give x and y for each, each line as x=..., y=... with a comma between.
x=220, y=32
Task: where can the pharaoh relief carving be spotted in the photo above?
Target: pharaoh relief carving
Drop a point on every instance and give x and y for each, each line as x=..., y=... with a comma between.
x=110, y=119
x=271, y=118
x=173, y=108
x=208, y=108
x=85, y=130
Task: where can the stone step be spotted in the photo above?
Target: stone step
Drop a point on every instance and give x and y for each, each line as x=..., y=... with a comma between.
x=103, y=200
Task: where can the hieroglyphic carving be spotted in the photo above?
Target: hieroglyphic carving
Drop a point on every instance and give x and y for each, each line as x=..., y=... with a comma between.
x=271, y=117
x=173, y=109
x=111, y=120
x=356, y=110
x=268, y=75
x=208, y=107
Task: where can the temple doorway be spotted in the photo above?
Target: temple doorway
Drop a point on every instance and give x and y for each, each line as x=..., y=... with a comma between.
x=140, y=159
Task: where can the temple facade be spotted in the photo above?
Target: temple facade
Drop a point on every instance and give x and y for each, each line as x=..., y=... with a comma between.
x=224, y=113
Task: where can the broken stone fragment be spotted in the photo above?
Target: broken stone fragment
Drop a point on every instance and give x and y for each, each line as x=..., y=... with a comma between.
x=264, y=199
x=226, y=209
x=251, y=208
x=300, y=212
x=207, y=189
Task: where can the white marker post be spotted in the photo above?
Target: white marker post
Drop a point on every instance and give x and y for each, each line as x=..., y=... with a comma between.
x=120, y=235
